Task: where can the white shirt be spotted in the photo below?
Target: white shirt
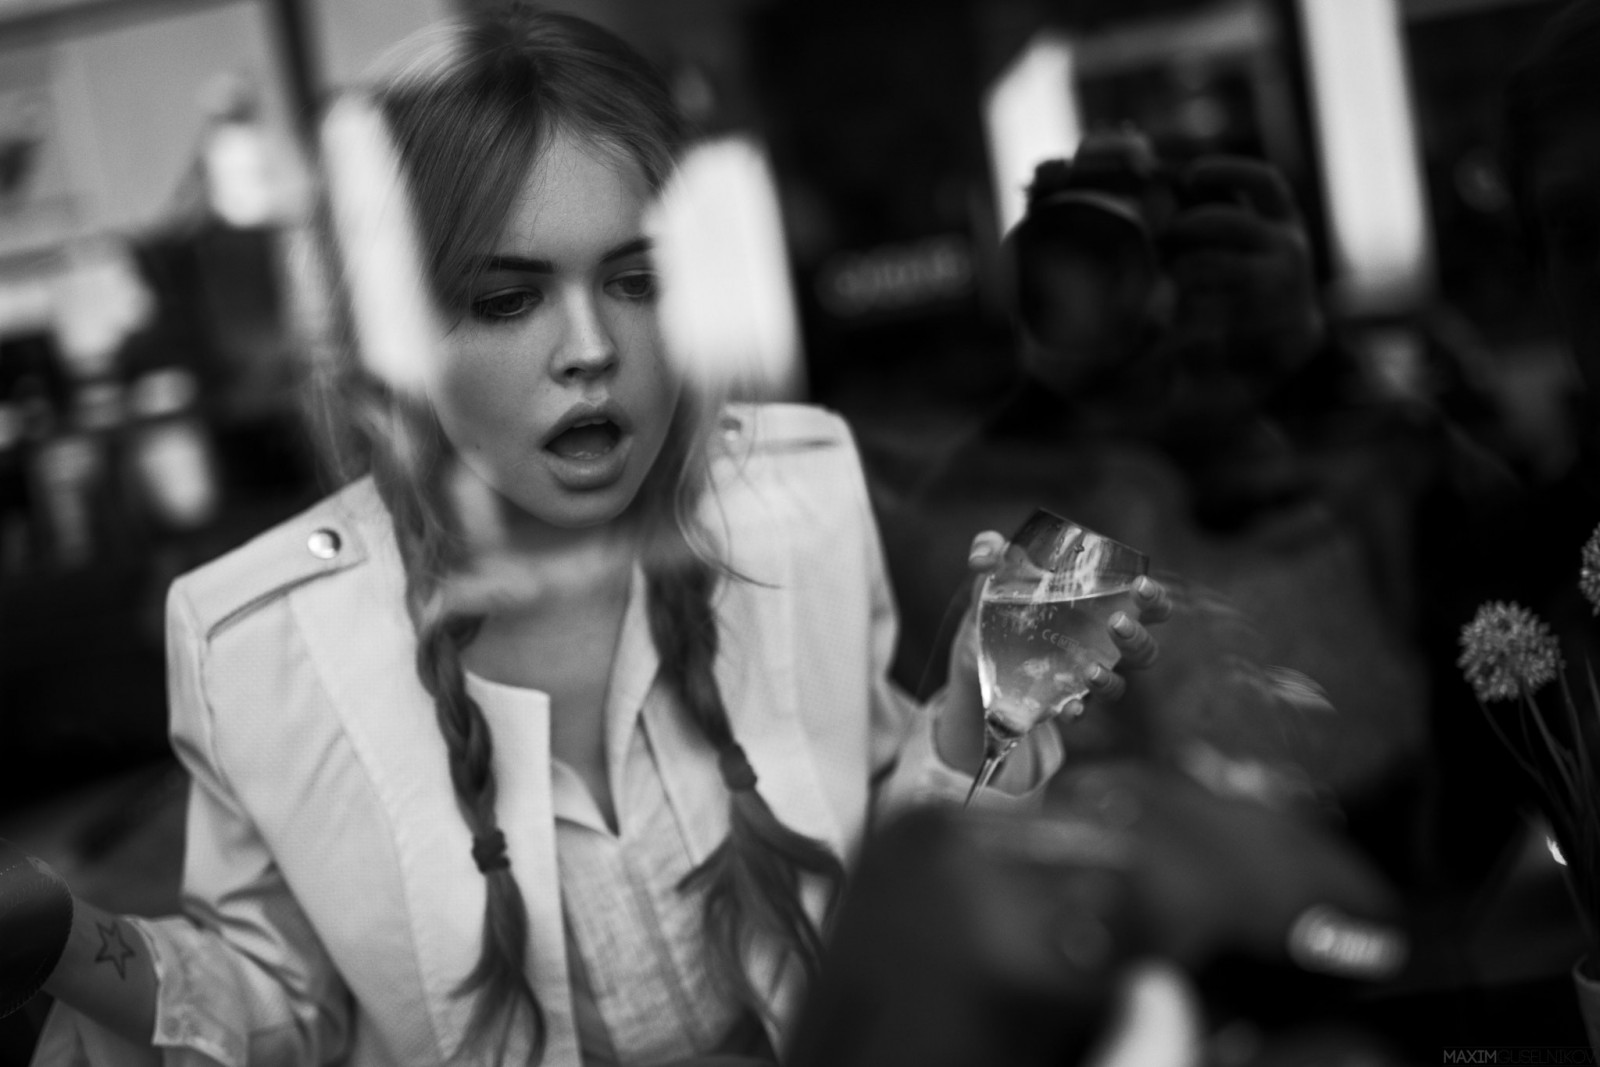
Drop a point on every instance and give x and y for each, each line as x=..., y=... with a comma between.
x=645, y=988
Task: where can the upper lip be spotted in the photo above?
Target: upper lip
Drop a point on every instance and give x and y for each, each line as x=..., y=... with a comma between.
x=606, y=410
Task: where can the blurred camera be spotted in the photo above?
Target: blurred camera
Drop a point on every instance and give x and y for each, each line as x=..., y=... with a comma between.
x=1085, y=257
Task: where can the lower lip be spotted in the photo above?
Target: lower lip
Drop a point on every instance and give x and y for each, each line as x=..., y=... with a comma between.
x=588, y=473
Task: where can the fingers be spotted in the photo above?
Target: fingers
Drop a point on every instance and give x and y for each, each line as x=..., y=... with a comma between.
x=1105, y=685
x=1136, y=647
x=1151, y=599
x=1136, y=644
x=987, y=548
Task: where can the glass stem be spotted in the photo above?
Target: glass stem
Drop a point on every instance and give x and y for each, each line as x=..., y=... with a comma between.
x=995, y=751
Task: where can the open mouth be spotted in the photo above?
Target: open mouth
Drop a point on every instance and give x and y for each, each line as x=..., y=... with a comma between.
x=586, y=439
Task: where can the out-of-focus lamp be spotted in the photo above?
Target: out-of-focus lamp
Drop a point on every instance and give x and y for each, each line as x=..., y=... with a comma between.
x=238, y=175
x=98, y=299
x=727, y=301
x=252, y=174
x=382, y=253
x=1030, y=114
x=1377, y=215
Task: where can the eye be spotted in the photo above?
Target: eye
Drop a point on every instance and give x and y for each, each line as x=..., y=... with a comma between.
x=506, y=305
x=638, y=285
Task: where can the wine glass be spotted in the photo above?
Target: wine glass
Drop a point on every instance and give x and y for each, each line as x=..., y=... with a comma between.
x=1042, y=623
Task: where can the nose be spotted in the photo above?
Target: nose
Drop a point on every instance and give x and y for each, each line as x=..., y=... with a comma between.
x=587, y=350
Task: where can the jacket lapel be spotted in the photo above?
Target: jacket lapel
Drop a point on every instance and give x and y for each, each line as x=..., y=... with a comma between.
x=363, y=643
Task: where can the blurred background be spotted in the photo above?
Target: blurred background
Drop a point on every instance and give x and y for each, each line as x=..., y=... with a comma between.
x=147, y=377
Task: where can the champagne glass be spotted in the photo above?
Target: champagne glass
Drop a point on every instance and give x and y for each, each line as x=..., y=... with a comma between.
x=1042, y=623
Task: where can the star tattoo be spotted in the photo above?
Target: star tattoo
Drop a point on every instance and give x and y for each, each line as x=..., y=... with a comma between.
x=113, y=949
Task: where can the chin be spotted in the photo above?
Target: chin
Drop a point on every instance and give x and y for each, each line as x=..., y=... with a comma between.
x=569, y=510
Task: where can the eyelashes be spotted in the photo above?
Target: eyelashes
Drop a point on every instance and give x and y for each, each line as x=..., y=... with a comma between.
x=637, y=285
x=634, y=287
x=499, y=307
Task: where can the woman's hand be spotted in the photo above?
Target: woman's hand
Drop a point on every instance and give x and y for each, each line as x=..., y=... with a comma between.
x=959, y=733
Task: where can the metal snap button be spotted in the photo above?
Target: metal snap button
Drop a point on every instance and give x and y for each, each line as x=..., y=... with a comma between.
x=324, y=544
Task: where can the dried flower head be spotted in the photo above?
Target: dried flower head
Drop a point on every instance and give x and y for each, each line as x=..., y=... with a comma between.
x=1506, y=650
x=1589, y=573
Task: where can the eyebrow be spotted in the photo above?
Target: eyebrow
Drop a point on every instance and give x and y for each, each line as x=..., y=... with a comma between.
x=528, y=265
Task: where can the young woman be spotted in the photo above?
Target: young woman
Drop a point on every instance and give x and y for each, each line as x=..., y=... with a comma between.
x=599, y=815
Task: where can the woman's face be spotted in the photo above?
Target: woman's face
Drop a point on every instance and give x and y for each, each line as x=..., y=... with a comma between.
x=554, y=388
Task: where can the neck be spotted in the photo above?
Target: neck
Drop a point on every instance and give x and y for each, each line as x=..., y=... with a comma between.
x=525, y=535
x=520, y=568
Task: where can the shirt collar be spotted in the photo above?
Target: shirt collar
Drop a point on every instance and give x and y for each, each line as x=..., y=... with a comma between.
x=633, y=673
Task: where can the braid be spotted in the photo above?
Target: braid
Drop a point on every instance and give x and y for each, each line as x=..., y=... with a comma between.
x=752, y=880
x=499, y=979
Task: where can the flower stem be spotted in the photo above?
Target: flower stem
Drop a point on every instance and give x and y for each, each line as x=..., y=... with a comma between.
x=1557, y=754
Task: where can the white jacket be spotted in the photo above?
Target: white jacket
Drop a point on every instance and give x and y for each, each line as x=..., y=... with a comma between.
x=330, y=900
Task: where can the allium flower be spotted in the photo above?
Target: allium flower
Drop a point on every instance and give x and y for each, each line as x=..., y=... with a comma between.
x=1589, y=574
x=1507, y=650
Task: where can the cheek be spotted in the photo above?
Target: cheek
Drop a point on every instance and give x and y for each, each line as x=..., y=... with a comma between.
x=637, y=334
x=660, y=392
x=478, y=390
x=661, y=403
x=644, y=358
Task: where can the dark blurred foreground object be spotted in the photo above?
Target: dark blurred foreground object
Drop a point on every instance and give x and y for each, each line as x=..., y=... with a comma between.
x=976, y=939
x=971, y=940
x=35, y=919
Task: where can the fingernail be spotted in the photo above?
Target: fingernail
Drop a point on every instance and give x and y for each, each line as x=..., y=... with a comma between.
x=1122, y=624
x=1096, y=672
x=1144, y=588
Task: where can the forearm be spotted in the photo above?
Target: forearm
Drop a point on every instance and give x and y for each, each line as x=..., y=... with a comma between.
x=107, y=972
